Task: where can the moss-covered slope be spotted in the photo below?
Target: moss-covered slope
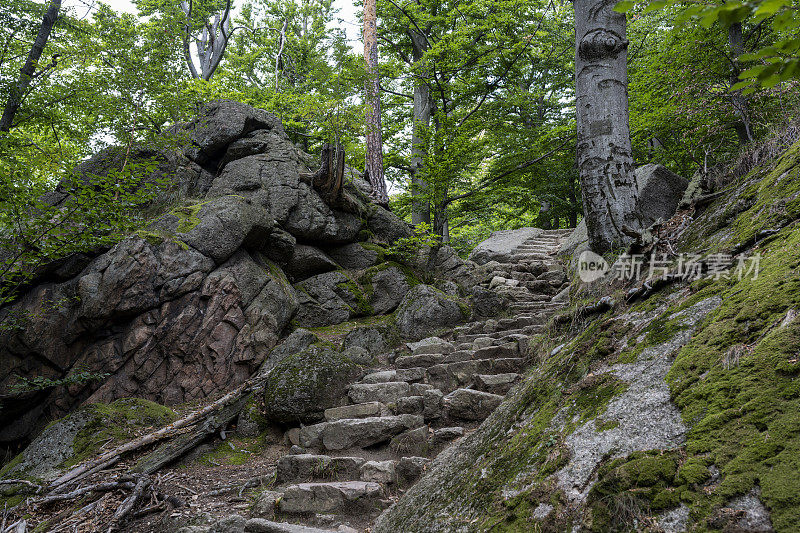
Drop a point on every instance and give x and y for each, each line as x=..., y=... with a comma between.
x=725, y=353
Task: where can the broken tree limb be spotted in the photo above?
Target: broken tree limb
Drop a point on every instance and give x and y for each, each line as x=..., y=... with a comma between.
x=99, y=487
x=328, y=180
x=142, y=484
x=169, y=451
x=36, y=488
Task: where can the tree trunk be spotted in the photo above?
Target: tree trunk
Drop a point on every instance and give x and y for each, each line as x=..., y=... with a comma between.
x=605, y=163
x=441, y=224
x=374, y=156
x=29, y=68
x=420, y=204
x=740, y=105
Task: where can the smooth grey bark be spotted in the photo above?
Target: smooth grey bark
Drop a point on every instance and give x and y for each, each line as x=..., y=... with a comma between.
x=739, y=101
x=420, y=205
x=28, y=70
x=210, y=45
x=605, y=162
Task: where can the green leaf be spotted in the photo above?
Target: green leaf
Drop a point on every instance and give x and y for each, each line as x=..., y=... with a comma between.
x=655, y=5
x=624, y=6
x=752, y=72
x=769, y=8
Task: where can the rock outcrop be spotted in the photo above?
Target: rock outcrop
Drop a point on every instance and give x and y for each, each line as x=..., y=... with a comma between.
x=193, y=303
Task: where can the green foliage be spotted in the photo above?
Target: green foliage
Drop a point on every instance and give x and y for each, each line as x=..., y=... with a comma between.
x=405, y=249
x=41, y=383
x=88, y=213
x=774, y=63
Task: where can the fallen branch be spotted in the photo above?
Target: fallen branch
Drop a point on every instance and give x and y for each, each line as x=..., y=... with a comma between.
x=99, y=487
x=142, y=484
x=169, y=451
x=37, y=488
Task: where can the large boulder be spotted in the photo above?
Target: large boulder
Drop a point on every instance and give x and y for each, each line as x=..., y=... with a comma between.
x=329, y=298
x=373, y=340
x=301, y=386
x=272, y=181
x=307, y=261
x=296, y=342
x=387, y=286
x=357, y=255
x=80, y=434
x=173, y=173
x=501, y=244
x=387, y=228
x=157, y=320
x=425, y=310
x=660, y=192
x=219, y=124
x=219, y=227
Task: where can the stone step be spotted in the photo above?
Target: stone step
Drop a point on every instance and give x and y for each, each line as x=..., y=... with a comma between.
x=411, y=375
x=357, y=432
x=445, y=435
x=387, y=392
x=310, y=467
x=496, y=383
x=468, y=404
x=430, y=345
x=359, y=410
x=262, y=525
x=331, y=497
x=451, y=376
x=530, y=256
x=497, y=336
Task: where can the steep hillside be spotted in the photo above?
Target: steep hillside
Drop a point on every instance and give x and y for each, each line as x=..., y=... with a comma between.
x=676, y=410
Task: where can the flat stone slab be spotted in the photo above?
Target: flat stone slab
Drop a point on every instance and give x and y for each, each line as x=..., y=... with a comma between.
x=468, y=404
x=388, y=392
x=424, y=360
x=329, y=497
x=378, y=471
x=359, y=410
x=432, y=345
x=261, y=525
x=501, y=244
x=496, y=383
x=363, y=432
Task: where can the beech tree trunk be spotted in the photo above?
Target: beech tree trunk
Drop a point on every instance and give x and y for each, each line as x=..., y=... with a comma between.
x=26, y=73
x=420, y=204
x=605, y=163
x=374, y=156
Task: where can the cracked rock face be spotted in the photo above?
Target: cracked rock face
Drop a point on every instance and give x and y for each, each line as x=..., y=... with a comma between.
x=191, y=305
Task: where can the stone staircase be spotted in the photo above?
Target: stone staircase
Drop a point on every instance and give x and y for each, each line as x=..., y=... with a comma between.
x=343, y=472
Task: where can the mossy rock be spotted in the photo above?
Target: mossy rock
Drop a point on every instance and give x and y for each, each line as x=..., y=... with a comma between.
x=425, y=310
x=304, y=384
x=79, y=435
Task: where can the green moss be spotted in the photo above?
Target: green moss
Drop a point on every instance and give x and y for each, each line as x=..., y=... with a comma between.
x=188, y=217
x=605, y=425
x=631, y=488
x=377, y=248
x=744, y=412
x=233, y=451
x=351, y=287
x=152, y=237
x=115, y=422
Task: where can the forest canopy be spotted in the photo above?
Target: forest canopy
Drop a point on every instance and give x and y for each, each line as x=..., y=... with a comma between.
x=477, y=96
